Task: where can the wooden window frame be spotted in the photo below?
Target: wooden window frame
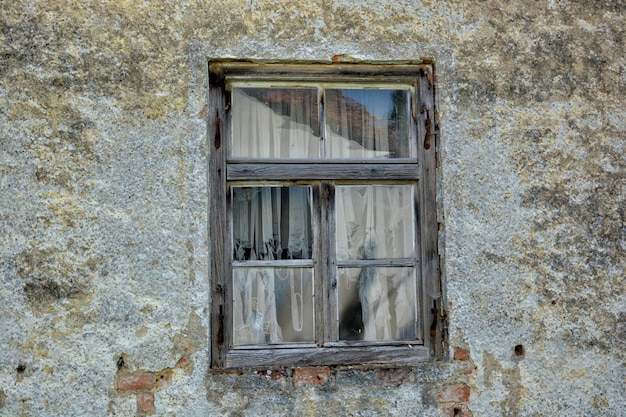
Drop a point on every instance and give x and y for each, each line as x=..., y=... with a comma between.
x=225, y=171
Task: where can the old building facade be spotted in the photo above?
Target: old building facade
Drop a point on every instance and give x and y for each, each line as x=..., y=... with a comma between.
x=104, y=207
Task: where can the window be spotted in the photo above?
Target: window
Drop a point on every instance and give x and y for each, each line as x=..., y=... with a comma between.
x=322, y=215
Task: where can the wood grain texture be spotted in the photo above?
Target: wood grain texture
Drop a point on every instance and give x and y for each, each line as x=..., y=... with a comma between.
x=389, y=355
x=428, y=215
x=321, y=171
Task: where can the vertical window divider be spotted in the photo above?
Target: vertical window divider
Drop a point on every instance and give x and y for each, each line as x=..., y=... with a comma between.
x=331, y=331
x=318, y=267
x=322, y=119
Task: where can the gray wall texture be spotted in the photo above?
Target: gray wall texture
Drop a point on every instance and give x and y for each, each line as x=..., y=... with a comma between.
x=103, y=205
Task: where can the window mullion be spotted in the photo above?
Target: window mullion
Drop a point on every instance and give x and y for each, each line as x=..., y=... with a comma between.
x=318, y=266
x=329, y=262
x=322, y=119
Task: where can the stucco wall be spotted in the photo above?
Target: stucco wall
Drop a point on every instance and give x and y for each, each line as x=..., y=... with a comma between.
x=103, y=204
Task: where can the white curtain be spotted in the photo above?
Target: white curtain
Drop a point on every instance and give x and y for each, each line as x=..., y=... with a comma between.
x=377, y=222
x=271, y=223
x=284, y=123
x=255, y=307
x=275, y=123
x=265, y=230
x=353, y=131
x=364, y=124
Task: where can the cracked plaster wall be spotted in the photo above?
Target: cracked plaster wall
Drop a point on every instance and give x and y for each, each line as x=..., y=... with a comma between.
x=103, y=204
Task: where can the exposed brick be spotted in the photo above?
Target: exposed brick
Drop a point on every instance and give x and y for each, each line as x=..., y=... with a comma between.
x=135, y=381
x=316, y=375
x=396, y=376
x=458, y=393
x=461, y=354
x=145, y=402
x=185, y=364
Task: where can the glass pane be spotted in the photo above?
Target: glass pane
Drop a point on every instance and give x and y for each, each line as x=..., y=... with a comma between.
x=271, y=223
x=367, y=123
x=275, y=123
x=375, y=222
x=376, y=303
x=273, y=305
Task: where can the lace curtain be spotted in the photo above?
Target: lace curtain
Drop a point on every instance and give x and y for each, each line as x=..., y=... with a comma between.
x=376, y=222
x=285, y=123
x=275, y=123
x=364, y=124
x=271, y=223
x=275, y=305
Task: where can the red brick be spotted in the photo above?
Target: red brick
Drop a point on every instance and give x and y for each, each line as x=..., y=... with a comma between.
x=458, y=393
x=461, y=354
x=396, y=376
x=145, y=402
x=316, y=375
x=185, y=364
x=135, y=382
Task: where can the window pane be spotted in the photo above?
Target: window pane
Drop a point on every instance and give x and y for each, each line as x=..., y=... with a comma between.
x=273, y=305
x=367, y=123
x=275, y=123
x=376, y=303
x=375, y=222
x=271, y=223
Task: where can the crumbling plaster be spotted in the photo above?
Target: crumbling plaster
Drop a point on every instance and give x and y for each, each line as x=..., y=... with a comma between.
x=103, y=204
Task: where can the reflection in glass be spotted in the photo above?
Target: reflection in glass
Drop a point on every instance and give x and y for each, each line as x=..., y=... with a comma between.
x=271, y=223
x=275, y=123
x=367, y=123
x=375, y=222
x=273, y=305
x=377, y=303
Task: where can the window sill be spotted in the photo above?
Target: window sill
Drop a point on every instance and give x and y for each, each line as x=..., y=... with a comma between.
x=298, y=357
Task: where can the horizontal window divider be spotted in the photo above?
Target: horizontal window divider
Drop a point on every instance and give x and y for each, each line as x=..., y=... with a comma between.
x=321, y=171
x=276, y=263
x=357, y=263
x=358, y=355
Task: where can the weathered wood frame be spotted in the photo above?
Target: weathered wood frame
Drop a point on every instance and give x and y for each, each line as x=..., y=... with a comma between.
x=321, y=175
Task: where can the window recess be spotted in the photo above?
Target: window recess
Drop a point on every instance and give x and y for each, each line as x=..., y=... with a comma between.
x=323, y=217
